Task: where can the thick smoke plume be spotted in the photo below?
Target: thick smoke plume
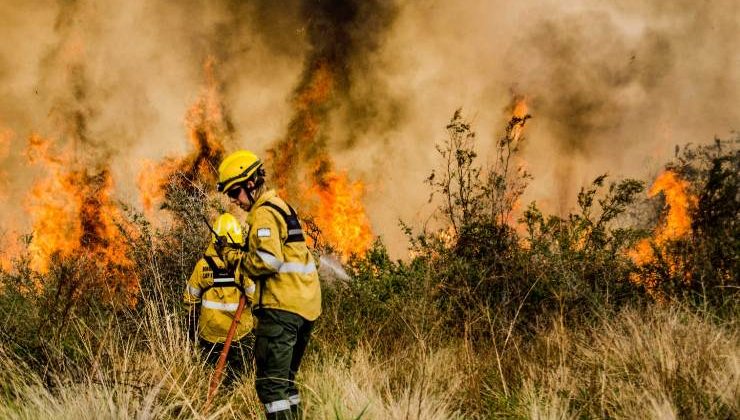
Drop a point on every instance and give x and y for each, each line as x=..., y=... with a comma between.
x=365, y=89
x=341, y=35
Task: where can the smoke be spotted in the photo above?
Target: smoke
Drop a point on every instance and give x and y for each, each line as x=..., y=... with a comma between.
x=73, y=104
x=342, y=37
x=6, y=137
x=609, y=81
x=612, y=86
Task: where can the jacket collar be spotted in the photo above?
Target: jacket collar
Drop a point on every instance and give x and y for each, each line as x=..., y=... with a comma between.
x=264, y=197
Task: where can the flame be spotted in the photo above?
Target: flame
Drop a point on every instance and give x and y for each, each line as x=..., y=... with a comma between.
x=208, y=129
x=509, y=145
x=11, y=248
x=6, y=136
x=519, y=115
x=300, y=147
x=335, y=201
x=678, y=200
x=73, y=216
x=341, y=215
x=675, y=225
x=520, y=109
x=152, y=181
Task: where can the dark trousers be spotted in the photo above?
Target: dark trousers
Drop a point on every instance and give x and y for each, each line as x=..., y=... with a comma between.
x=238, y=361
x=281, y=340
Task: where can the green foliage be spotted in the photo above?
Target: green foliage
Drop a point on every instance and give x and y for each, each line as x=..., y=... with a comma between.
x=708, y=264
x=368, y=307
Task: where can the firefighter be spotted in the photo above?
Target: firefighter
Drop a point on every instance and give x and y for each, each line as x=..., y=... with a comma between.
x=212, y=296
x=287, y=299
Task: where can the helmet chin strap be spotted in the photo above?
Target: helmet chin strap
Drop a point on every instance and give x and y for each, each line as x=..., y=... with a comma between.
x=250, y=191
x=250, y=197
x=257, y=183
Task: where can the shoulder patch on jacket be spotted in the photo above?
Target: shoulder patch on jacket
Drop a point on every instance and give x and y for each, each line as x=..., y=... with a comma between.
x=263, y=233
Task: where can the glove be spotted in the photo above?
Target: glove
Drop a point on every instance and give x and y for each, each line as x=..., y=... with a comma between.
x=231, y=255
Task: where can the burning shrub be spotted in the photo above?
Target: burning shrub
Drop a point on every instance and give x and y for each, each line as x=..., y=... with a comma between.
x=482, y=261
x=694, y=250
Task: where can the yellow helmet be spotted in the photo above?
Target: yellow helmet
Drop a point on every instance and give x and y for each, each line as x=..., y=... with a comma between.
x=227, y=226
x=237, y=167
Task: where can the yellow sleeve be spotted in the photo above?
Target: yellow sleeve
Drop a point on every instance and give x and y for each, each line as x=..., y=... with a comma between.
x=247, y=284
x=199, y=279
x=265, y=253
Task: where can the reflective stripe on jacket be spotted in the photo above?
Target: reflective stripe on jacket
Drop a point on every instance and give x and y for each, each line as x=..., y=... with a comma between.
x=284, y=270
x=217, y=298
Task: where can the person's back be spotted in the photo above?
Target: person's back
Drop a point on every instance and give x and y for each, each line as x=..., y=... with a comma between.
x=288, y=297
x=281, y=262
x=212, y=296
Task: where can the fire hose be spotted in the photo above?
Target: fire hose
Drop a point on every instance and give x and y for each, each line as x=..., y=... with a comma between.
x=216, y=378
x=218, y=372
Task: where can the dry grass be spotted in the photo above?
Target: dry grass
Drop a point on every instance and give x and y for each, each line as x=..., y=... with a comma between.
x=414, y=387
x=664, y=362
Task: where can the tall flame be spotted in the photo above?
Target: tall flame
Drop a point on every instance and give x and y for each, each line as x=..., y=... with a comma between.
x=10, y=248
x=73, y=216
x=519, y=115
x=9, y=243
x=675, y=225
x=301, y=146
x=509, y=145
x=208, y=129
x=335, y=202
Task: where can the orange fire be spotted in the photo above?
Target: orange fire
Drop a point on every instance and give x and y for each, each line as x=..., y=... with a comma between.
x=208, y=129
x=335, y=202
x=519, y=114
x=10, y=244
x=300, y=148
x=675, y=225
x=510, y=163
x=153, y=177
x=340, y=213
x=73, y=216
x=6, y=136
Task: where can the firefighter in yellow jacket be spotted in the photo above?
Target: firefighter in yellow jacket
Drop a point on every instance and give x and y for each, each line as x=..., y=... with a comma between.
x=287, y=299
x=212, y=296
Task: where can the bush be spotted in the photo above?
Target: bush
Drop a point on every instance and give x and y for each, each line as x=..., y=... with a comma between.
x=488, y=317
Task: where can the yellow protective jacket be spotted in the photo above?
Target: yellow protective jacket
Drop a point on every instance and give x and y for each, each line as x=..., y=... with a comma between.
x=215, y=293
x=278, y=260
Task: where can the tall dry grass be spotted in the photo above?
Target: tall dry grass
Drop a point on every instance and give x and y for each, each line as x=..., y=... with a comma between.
x=661, y=362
